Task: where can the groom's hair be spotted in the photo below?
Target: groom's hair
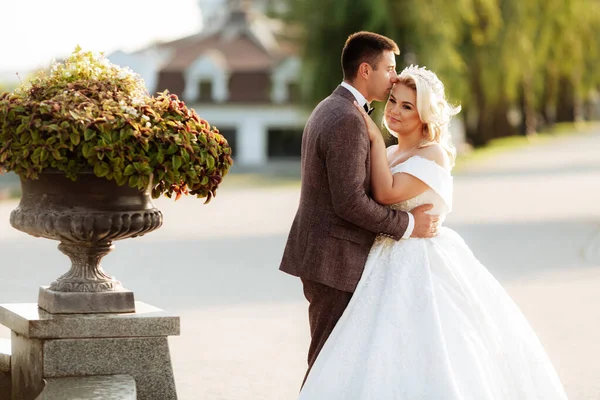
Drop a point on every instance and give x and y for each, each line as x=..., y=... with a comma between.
x=363, y=47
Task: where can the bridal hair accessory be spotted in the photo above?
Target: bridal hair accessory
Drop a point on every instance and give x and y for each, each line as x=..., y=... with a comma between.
x=425, y=75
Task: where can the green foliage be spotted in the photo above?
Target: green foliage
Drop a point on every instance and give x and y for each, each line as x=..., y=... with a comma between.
x=88, y=114
x=423, y=37
x=538, y=56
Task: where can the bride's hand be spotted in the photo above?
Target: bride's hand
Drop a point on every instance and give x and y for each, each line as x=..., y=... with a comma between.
x=372, y=129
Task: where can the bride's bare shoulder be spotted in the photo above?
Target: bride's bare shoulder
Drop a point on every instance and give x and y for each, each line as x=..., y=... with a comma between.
x=435, y=152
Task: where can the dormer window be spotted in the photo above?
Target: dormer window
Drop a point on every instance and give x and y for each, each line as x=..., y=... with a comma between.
x=206, y=79
x=285, y=82
x=205, y=91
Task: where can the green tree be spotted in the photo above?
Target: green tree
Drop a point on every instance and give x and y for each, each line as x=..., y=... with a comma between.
x=449, y=38
x=539, y=56
x=575, y=58
x=326, y=24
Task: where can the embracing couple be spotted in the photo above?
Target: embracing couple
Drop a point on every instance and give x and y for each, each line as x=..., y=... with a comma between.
x=399, y=307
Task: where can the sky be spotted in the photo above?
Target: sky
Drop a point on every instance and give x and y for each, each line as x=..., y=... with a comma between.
x=34, y=32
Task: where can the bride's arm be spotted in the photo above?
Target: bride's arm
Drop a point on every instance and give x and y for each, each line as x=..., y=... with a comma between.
x=385, y=187
x=388, y=188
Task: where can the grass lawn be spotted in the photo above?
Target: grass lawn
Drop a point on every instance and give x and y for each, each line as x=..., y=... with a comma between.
x=501, y=145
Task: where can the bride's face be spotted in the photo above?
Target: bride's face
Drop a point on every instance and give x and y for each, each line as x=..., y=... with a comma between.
x=401, y=114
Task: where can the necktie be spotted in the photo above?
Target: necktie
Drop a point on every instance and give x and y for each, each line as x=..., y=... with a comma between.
x=368, y=109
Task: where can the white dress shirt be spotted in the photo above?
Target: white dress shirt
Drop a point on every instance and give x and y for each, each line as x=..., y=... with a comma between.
x=360, y=99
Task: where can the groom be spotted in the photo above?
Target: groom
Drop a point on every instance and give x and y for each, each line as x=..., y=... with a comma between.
x=337, y=220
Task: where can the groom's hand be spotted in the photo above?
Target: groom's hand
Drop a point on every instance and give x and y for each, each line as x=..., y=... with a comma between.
x=426, y=225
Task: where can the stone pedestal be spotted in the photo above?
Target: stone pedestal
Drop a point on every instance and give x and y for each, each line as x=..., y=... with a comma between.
x=5, y=385
x=113, y=387
x=48, y=345
x=117, y=301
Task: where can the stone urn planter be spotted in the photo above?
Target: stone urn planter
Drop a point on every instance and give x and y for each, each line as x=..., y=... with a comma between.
x=86, y=216
x=92, y=147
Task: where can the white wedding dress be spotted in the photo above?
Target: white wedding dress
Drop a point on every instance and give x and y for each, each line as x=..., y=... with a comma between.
x=428, y=322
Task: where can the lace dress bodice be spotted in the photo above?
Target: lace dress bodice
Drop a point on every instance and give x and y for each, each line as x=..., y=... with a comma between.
x=433, y=175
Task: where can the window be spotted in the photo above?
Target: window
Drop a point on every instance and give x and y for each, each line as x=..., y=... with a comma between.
x=284, y=142
x=205, y=91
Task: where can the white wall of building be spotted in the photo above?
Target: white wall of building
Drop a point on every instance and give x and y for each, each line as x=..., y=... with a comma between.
x=252, y=123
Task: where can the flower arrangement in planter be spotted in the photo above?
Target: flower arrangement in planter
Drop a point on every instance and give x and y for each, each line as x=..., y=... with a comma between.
x=88, y=114
x=91, y=147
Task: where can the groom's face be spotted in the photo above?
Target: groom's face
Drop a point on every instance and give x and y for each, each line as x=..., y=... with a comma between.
x=383, y=77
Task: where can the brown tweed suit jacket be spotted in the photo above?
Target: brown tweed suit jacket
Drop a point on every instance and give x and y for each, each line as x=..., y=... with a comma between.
x=336, y=222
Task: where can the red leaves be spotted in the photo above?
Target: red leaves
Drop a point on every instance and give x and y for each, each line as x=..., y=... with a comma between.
x=179, y=190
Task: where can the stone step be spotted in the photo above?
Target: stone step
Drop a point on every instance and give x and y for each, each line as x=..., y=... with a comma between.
x=114, y=387
x=5, y=352
x=5, y=382
x=5, y=386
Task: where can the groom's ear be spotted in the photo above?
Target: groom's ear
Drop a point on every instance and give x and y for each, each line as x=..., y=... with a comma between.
x=364, y=70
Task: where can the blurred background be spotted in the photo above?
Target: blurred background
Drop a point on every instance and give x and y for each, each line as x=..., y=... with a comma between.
x=526, y=181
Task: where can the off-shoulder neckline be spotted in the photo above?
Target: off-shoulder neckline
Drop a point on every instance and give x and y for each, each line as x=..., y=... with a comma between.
x=423, y=158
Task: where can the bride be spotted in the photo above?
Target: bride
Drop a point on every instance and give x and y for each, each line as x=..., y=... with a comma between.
x=427, y=321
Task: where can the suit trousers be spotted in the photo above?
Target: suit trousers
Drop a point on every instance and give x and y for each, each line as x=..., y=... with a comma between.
x=326, y=306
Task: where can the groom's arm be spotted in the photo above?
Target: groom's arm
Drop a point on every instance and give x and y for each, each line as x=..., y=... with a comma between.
x=345, y=149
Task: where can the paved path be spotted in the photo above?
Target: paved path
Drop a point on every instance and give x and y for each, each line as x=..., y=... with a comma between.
x=532, y=216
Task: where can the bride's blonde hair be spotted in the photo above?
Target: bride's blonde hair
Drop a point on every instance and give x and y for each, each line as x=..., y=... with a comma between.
x=434, y=110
